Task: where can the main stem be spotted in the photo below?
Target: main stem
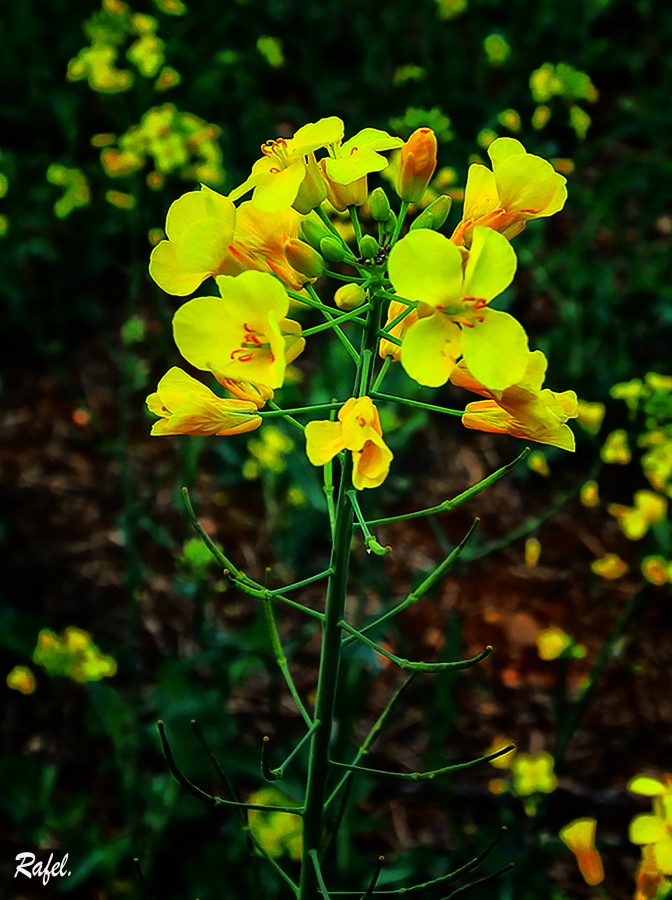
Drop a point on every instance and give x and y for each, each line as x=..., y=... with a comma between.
x=327, y=682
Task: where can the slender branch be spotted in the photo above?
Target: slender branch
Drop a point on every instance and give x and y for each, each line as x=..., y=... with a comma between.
x=460, y=892
x=406, y=401
x=280, y=769
x=228, y=784
x=447, y=505
x=315, y=857
x=234, y=575
x=419, y=666
x=196, y=792
x=142, y=879
x=425, y=776
x=317, y=407
x=352, y=316
x=448, y=878
x=374, y=878
x=387, y=362
x=281, y=660
x=372, y=545
x=429, y=582
x=299, y=584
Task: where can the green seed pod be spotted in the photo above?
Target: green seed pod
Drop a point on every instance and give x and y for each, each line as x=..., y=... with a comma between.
x=312, y=232
x=369, y=247
x=434, y=215
x=333, y=250
x=349, y=296
x=390, y=225
x=380, y=205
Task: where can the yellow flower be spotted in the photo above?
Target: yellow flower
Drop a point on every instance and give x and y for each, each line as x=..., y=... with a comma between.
x=242, y=335
x=288, y=166
x=21, y=679
x=358, y=430
x=654, y=830
x=579, y=836
x=610, y=566
x=185, y=406
x=522, y=410
x=279, y=833
x=346, y=168
x=519, y=187
x=426, y=267
x=657, y=570
x=532, y=552
x=615, y=448
x=650, y=508
x=533, y=773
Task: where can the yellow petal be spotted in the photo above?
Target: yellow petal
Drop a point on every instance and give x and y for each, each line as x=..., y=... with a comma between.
x=491, y=264
x=170, y=275
x=480, y=194
x=647, y=829
x=426, y=266
x=430, y=350
x=323, y=441
x=646, y=786
x=495, y=350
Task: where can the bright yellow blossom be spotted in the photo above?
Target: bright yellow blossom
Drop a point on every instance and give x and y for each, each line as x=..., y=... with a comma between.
x=615, y=448
x=426, y=267
x=185, y=406
x=653, y=831
x=346, y=168
x=579, y=836
x=520, y=187
x=523, y=410
x=591, y=416
x=358, y=430
x=242, y=335
x=288, y=165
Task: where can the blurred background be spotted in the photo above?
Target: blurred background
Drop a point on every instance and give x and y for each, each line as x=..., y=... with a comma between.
x=112, y=614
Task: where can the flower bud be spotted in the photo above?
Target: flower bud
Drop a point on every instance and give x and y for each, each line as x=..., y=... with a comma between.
x=333, y=249
x=380, y=205
x=349, y=296
x=434, y=215
x=312, y=232
x=417, y=163
x=390, y=225
x=341, y=196
x=303, y=258
x=368, y=247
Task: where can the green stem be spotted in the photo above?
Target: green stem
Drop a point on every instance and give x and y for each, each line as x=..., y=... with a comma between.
x=425, y=776
x=417, y=403
x=318, y=763
x=281, y=660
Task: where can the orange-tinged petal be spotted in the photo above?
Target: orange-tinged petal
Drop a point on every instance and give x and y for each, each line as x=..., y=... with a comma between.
x=371, y=464
x=530, y=185
x=662, y=853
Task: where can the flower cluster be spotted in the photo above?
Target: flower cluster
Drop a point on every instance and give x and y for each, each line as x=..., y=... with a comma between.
x=72, y=655
x=110, y=30
x=269, y=241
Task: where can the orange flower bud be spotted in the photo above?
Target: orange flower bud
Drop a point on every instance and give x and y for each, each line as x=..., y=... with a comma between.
x=416, y=164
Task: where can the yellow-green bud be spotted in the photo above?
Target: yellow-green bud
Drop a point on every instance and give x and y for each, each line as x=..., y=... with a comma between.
x=434, y=215
x=303, y=258
x=312, y=232
x=379, y=205
x=333, y=250
x=368, y=247
x=349, y=296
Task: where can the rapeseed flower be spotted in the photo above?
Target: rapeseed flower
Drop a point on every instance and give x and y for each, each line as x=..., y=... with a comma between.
x=634, y=521
x=288, y=166
x=346, y=168
x=243, y=334
x=358, y=429
x=524, y=409
x=426, y=267
x=185, y=406
x=520, y=187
